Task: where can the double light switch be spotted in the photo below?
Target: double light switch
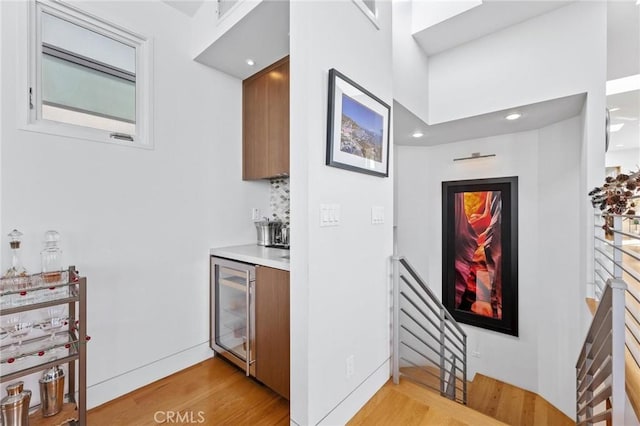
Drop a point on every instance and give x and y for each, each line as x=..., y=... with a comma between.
x=330, y=215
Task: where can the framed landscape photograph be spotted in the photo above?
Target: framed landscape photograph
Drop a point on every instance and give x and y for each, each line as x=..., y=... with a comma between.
x=480, y=252
x=357, y=128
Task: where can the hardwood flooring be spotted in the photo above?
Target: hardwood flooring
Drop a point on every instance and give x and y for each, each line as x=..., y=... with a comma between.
x=215, y=392
x=408, y=404
x=513, y=405
x=212, y=392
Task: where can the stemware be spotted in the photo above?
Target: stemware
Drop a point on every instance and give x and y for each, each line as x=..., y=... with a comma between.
x=55, y=319
x=17, y=326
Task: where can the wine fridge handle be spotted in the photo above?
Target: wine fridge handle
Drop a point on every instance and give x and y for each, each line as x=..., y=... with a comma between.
x=248, y=328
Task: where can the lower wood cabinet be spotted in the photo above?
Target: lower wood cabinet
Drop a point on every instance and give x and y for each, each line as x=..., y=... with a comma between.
x=272, y=328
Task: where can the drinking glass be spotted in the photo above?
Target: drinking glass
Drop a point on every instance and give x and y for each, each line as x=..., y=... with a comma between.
x=17, y=326
x=55, y=319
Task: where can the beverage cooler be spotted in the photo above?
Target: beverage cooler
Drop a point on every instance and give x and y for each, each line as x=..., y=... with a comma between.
x=233, y=312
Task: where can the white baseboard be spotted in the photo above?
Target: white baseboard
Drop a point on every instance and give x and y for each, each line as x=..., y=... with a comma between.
x=349, y=406
x=109, y=389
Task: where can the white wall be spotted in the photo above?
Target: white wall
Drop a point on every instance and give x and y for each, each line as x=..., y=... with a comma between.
x=560, y=53
x=627, y=159
x=410, y=63
x=556, y=54
x=560, y=291
x=205, y=27
x=541, y=358
x=339, y=275
x=428, y=13
x=138, y=223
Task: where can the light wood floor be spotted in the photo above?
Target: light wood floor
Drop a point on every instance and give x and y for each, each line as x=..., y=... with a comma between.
x=513, y=405
x=408, y=404
x=212, y=391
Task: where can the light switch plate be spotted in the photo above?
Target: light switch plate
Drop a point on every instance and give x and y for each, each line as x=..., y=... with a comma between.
x=377, y=215
x=329, y=214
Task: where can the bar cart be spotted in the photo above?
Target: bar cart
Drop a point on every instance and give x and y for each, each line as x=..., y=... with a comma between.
x=66, y=345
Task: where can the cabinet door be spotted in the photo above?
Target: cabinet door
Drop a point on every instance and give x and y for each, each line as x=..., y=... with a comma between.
x=278, y=120
x=265, y=123
x=272, y=329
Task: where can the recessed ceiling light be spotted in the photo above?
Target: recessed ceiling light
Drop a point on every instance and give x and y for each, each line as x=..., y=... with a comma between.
x=513, y=116
x=620, y=145
x=615, y=127
x=250, y=62
x=616, y=108
x=417, y=134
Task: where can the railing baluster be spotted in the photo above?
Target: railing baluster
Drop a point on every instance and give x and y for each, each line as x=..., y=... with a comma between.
x=600, y=368
x=411, y=295
x=396, y=320
x=442, y=370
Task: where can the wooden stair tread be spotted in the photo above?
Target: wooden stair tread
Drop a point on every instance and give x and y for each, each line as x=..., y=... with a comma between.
x=430, y=376
x=632, y=381
x=513, y=405
x=410, y=404
x=632, y=370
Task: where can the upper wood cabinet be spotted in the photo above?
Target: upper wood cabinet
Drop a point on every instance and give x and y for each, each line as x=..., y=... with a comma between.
x=265, y=123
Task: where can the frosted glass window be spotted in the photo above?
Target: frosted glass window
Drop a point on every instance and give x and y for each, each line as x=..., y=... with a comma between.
x=87, y=43
x=88, y=79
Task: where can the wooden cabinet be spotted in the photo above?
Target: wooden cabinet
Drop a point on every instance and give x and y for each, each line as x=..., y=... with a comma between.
x=265, y=123
x=272, y=328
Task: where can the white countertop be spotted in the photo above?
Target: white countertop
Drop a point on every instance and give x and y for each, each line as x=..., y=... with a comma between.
x=255, y=254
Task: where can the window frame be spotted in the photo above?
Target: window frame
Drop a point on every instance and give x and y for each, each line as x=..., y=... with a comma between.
x=31, y=118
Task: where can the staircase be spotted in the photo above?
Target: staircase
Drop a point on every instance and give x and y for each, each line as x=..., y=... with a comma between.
x=513, y=405
x=617, y=257
x=430, y=371
x=490, y=402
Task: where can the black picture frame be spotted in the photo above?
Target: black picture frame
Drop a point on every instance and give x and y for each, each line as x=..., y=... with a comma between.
x=357, y=128
x=480, y=252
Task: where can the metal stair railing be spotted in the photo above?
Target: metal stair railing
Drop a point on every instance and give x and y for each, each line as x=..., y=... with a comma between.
x=429, y=346
x=617, y=256
x=600, y=369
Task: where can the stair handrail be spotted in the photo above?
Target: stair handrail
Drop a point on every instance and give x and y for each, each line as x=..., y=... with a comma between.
x=600, y=368
x=614, y=257
x=448, y=341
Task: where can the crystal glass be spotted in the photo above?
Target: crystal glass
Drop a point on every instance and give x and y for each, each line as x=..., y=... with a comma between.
x=17, y=326
x=55, y=318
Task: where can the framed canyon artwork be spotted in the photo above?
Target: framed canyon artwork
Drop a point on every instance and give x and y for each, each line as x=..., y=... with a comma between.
x=480, y=252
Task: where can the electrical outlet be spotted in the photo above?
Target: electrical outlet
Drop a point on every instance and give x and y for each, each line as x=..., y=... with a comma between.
x=255, y=214
x=350, y=364
x=475, y=354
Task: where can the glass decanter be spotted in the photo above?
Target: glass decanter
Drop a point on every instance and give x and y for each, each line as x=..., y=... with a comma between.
x=16, y=269
x=51, y=257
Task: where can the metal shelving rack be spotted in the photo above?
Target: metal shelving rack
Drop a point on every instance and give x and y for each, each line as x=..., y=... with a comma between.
x=71, y=351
